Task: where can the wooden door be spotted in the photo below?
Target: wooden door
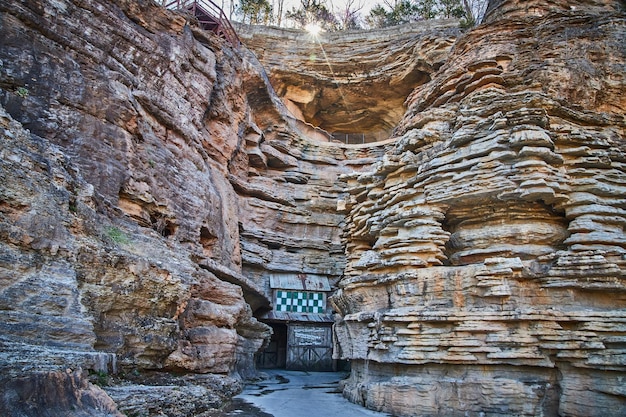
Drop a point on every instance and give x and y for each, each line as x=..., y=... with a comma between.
x=309, y=348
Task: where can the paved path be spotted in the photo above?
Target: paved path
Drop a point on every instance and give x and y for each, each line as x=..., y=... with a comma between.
x=295, y=394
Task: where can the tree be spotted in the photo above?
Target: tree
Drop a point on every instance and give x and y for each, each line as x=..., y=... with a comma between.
x=349, y=15
x=402, y=11
x=426, y=9
x=377, y=17
x=474, y=11
x=405, y=11
x=452, y=8
x=255, y=11
x=279, y=11
x=313, y=12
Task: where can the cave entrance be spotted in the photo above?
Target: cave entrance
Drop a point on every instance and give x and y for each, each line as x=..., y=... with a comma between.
x=275, y=354
x=299, y=347
x=302, y=324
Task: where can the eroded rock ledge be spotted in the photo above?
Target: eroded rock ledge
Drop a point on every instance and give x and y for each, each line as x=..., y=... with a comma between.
x=486, y=268
x=153, y=184
x=355, y=81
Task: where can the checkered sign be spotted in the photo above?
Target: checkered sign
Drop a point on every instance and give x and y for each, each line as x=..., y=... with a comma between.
x=300, y=301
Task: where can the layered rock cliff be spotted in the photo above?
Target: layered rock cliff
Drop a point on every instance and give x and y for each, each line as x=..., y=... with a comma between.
x=486, y=252
x=351, y=84
x=153, y=182
x=120, y=228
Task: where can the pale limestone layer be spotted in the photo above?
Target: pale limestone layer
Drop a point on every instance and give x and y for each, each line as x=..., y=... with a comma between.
x=486, y=266
x=355, y=81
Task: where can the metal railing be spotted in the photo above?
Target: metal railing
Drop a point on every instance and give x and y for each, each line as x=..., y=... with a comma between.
x=359, y=138
x=219, y=23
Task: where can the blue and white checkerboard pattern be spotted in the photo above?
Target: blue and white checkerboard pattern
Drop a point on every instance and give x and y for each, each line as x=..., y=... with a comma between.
x=300, y=301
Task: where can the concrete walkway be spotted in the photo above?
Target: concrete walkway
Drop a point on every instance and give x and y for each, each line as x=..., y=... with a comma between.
x=295, y=394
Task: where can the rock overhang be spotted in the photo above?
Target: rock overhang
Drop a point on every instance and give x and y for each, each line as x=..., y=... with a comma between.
x=353, y=82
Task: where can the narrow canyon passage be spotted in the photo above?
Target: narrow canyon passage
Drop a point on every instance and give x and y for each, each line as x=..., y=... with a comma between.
x=180, y=211
x=292, y=393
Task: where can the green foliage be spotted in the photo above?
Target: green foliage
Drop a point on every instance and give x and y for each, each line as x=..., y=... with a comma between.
x=406, y=11
x=451, y=8
x=99, y=378
x=427, y=9
x=22, y=92
x=402, y=11
x=468, y=22
x=346, y=17
x=116, y=235
x=377, y=17
x=255, y=11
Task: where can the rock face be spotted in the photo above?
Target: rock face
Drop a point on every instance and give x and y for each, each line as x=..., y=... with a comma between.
x=119, y=227
x=486, y=269
x=153, y=184
x=351, y=82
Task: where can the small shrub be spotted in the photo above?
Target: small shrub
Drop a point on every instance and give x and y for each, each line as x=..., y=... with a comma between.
x=116, y=235
x=467, y=23
x=22, y=92
x=99, y=378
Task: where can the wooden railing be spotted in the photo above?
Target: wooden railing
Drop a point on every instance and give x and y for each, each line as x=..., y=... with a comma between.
x=210, y=16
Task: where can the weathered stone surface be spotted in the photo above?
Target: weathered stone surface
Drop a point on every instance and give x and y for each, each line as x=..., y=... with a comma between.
x=351, y=82
x=161, y=183
x=180, y=189
x=485, y=252
x=157, y=394
x=116, y=208
x=60, y=393
x=100, y=298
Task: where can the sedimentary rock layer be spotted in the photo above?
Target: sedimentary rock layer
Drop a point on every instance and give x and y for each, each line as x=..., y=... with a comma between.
x=119, y=226
x=153, y=183
x=485, y=252
x=355, y=81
